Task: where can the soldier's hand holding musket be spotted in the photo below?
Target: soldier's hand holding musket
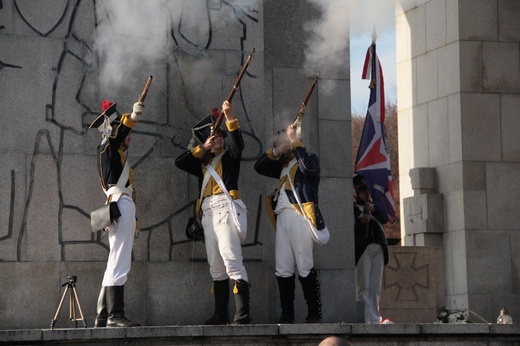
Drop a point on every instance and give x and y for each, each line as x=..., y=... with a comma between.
x=137, y=111
x=216, y=140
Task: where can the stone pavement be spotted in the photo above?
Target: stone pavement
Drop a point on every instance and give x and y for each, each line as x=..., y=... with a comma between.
x=273, y=334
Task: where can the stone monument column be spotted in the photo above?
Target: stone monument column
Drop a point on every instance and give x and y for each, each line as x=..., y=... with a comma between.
x=458, y=68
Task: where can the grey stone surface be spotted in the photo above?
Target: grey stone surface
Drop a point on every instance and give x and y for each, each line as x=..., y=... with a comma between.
x=423, y=179
x=500, y=77
x=424, y=214
x=435, y=25
x=509, y=105
x=508, y=26
x=478, y=20
x=413, y=281
x=55, y=77
x=481, y=114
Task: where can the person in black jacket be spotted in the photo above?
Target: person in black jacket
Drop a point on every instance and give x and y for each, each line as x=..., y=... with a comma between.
x=116, y=182
x=298, y=172
x=221, y=234
x=371, y=250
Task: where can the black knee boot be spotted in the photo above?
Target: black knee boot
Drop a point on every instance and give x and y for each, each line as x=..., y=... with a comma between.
x=286, y=287
x=115, y=296
x=221, y=292
x=102, y=313
x=311, y=293
x=241, y=293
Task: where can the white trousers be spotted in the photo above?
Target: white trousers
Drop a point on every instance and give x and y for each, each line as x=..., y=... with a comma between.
x=121, y=241
x=293, y=245
x=369, y=275
x=222, y=241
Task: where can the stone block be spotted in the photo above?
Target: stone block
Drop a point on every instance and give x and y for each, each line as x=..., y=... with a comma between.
x=475, y=210
x=332, y=134
x=411, y=281
x=471, y=77
x=449, y=178
x=283, y=43
x=455, y=266
x=339, y=251
x=332, y=302
x=501, y=78
x=454, y=135
x=423, y=179
x=419, y=35
x=453, y=209
x=420, y=150
x=508, y=24
x=398, y=328
x=427, y=77
x=25, y=286
x=449, y=73
x=503, y=187
x=406, y=81
x=474, y=175
x=41, y=235
x=478, y=20
x=452, y=21
x=435, y=25
x=484, y=259
x=423, y=214
x=428, y=239
x=334, y=99
x=480, y=114
x=509, y=105
x=12, y=201
x=438, y=120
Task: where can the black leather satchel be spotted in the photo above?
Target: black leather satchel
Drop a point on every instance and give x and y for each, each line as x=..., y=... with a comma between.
x=194, y=230
x=104, y=216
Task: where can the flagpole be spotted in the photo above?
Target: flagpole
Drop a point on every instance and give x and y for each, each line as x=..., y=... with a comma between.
x=374, y=65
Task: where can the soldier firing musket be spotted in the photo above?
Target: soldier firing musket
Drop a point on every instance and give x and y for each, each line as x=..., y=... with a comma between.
x=117, y=217
x=295, y=215
x=217, y=165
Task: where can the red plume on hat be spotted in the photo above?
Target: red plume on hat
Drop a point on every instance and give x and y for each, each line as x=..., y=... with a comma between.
x=109, y=111
x=105, y=104
x=215, y=113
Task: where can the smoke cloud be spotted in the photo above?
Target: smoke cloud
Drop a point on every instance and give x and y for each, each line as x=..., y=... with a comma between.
x=342, y=21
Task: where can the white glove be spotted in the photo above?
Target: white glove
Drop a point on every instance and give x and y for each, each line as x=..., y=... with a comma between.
x=137, y=111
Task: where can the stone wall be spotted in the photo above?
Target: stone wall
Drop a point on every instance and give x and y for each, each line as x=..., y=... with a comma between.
x=458, y=98
x=56, y=67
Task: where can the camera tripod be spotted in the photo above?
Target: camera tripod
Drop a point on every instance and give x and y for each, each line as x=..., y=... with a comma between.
x=73, y=301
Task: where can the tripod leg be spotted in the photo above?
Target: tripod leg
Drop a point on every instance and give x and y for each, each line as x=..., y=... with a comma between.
x=79, y=308
x=53, y=322
x=72, y=308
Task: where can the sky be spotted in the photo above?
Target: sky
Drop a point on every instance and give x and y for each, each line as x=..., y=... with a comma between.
x=329, y=36
x=385, y=49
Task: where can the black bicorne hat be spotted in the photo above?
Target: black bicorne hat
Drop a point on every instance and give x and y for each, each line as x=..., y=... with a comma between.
x=109, y=111
x=202, y=129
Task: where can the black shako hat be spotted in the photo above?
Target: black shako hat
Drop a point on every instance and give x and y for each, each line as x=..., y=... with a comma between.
x=359, y=182
x=202, y=129
x=109, y=111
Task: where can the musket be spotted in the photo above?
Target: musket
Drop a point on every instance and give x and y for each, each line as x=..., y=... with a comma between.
x=217, y=123
x=301, y=112
x=142, y=96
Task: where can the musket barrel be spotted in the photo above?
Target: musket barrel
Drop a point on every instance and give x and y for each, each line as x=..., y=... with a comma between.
x=304, y=103
x=142, y=96
x=217, y=123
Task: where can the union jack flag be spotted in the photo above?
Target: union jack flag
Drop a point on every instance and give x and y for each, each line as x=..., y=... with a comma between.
x=373, y=159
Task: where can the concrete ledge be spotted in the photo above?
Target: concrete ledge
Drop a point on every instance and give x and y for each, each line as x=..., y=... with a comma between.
x=272, y=334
